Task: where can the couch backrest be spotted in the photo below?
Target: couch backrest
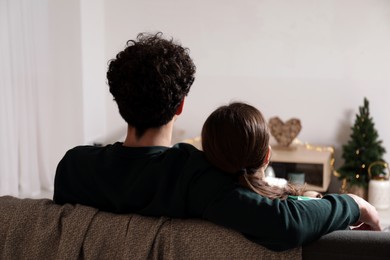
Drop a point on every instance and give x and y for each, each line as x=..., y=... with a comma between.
x=40, y=229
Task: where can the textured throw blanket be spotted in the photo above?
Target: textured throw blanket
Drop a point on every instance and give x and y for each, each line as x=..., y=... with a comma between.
x=40, y=229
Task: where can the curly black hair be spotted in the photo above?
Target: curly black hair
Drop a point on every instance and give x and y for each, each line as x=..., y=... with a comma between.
x=149, y=79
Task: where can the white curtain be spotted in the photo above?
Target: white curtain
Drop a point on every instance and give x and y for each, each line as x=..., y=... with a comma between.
x=23, y=106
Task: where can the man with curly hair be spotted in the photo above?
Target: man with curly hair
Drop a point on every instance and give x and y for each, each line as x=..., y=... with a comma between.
x=149, y=80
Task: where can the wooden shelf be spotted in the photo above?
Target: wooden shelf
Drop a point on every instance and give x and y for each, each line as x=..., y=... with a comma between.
x=316, y=162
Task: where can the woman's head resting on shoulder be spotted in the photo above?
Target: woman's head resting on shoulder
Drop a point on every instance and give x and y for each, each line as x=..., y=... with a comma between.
x=235, y=138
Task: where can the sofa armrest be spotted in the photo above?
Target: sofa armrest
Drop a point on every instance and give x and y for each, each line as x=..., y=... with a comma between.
x=348, y=244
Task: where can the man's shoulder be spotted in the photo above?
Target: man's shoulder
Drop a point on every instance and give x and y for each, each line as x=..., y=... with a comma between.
x=186, y=147
x=185, y=150
x=195, y=161
x=86, y=150
x=82, y=148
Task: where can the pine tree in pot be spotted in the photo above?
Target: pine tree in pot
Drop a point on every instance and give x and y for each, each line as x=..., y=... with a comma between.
x=363, y=149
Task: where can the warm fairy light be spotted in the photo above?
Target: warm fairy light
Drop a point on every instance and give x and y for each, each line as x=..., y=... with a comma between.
x=357, y=176
x=363, y=166
x=357, y=152
x=314, y=147
x=319, y=149
x=332, y=161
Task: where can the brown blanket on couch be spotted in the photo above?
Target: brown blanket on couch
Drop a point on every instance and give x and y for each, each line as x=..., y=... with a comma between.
x=40, y=229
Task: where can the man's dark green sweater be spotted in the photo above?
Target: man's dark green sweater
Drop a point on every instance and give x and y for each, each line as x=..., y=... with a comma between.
x=179, y=182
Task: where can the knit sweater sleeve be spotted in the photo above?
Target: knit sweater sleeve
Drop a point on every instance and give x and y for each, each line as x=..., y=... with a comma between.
x=281, y=224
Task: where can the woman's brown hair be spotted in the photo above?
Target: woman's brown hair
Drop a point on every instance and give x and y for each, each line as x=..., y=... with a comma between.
x=235, y=139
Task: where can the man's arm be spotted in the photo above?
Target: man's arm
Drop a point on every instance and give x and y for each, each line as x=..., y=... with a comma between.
x=276, y=224
x=282, y=224
x=369, y=217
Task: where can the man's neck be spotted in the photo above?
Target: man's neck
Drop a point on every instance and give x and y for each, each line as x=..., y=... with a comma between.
x=161, y=136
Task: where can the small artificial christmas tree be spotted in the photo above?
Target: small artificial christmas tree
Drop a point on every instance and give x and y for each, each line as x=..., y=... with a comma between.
x=362, y=149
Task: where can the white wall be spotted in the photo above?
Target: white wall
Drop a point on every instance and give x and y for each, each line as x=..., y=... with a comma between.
x=65, y=76
x=93, y=62
x=311, y=59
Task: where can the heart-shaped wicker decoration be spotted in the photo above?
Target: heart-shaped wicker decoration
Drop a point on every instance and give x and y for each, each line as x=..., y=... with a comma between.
x=284, y=133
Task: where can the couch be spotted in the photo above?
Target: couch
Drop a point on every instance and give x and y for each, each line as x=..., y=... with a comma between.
x=40, y=229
